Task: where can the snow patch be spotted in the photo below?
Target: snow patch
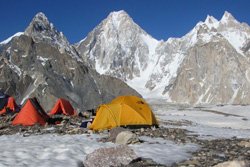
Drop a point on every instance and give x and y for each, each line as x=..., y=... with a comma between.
x=151, y=43
x=43, y=60
x=207, y=37
x=234, y=96
x=99, y=68
x=8, y=50
x=72, y=84
x=38, y=80
x=171, y=68
x=10, y=38
x=68, y=150
x=236, y=39
x=209, y=122
x=200, y=100
x=163, y=151
x=47, y=150
x=43, y=91
x=14, y=67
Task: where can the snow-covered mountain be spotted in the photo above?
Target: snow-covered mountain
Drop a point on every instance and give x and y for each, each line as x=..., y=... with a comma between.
x=119, y=47
x=210, y=64
x=40, y=62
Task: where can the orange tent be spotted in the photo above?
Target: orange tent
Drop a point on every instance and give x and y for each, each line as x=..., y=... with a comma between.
x=11, y=105
x=62, y=106
x=124, y=111
x=31, y=114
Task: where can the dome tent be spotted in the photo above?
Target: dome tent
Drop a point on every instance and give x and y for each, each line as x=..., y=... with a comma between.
x=123, y=111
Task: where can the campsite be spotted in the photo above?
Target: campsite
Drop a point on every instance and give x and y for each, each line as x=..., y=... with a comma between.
x=122, y=111
x=149, y=133
x=125, y=83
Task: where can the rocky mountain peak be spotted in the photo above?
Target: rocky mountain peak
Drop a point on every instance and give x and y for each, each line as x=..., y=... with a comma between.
x=121, y=48
x=118, y=20
x=114, y=44
x=118, y=14
x=211, y=22
x=39, y=24
x=41, y=63
x=41, y=17
x=227, y=18
x=41, y=30
x=210, y=19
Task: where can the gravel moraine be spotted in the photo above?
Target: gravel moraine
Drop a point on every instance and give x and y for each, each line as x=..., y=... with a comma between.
x=211, y=152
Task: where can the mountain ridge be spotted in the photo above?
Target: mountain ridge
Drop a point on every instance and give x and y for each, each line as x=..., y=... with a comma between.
x=154, y=66
x=40, y=62
x=120, y=48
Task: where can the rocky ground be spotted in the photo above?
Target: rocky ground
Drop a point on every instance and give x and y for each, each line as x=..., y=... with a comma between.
x=211, y=152
x=68, y=125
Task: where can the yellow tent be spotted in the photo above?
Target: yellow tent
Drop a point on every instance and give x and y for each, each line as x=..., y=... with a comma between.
x=123, y=111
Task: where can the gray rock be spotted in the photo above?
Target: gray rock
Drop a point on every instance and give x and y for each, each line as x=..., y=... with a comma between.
x=33, y=64
x=126, y=137
x=215, y=82
x=234, y=164
x=114, y=132
x=204, y=66
x=245, y=144
x=114, y=156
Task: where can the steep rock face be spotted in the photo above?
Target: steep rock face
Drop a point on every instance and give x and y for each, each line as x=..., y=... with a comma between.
x=207, y=65
x=215, y=69
x=210, y=64
x=41, y=30
x=33, y=64
x=118, y=47
x=207, y=77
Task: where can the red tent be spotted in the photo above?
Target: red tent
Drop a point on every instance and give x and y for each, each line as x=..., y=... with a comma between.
x=31, y=114
x=11, y=105
x=62, y=106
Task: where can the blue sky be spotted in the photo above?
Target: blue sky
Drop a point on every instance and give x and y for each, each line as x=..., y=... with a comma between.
x=76, y=18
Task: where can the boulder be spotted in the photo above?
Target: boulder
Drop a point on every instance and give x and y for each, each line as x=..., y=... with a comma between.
x=113, y=156
x=244, y=144
x=235, y=163
x=126, y=137
x=114, y=132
